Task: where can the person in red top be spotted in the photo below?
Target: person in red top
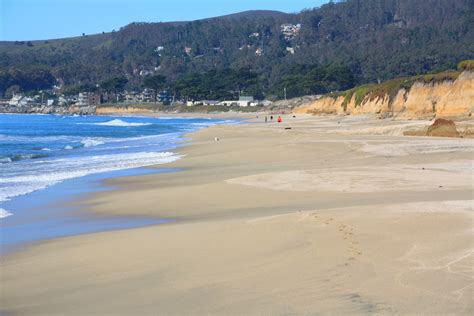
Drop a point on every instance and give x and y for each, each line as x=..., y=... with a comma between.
x=279, y=119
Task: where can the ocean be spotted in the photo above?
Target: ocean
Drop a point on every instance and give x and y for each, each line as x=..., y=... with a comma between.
x=39, y=152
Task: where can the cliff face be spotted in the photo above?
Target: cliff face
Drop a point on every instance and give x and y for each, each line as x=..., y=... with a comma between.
x=447, y=99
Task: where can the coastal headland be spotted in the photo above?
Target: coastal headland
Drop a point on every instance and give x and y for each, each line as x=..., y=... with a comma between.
x=332, y=214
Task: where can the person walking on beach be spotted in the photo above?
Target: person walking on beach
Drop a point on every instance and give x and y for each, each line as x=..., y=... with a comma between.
x=266, y=119
x=271, y=118
x=280, y=119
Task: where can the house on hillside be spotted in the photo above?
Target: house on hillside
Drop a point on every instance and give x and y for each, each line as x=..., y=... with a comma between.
x=290, y=31
x=147, y=95
x=17, y=100
x=20, y=100
x=132, y=97
x=165, y=97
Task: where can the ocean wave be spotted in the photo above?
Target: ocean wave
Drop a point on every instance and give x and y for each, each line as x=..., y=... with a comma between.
x=69, y=168
x=5, y=160
x=90, y=142
x=118, y=122
x=28, y=139
x=21, y=157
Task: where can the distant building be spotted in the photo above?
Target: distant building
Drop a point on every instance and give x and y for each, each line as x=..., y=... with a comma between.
x=94, y=99
x=146, y=72
x=16, y=100
x=243, y=101
x=88, y=99
x=247, y=101
x=131, y=97
x=62, y=100
x=147, y=95
x=165, y=97
x=20, y=100
x=204, y=102
x=228, y=103
x=210, y=102
x=82, y=99
x=290, y=31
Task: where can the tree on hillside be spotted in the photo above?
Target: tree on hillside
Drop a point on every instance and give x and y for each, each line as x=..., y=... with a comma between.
x=114, y=85
x=375, y=39
x=156, y=82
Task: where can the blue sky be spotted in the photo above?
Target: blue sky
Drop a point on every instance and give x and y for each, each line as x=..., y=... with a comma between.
x=45, y=19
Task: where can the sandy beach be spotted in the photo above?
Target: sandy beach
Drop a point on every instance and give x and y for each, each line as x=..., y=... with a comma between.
x=337, y=215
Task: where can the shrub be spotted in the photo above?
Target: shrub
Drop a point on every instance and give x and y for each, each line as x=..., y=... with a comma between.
x=466, y=65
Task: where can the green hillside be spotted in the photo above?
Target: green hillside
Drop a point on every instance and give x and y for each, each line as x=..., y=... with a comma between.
x=331, y=48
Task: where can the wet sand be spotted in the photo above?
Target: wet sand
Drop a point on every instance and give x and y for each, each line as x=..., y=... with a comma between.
x=335, y=215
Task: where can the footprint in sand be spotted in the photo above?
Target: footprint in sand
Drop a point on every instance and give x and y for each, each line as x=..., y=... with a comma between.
x=347, y=234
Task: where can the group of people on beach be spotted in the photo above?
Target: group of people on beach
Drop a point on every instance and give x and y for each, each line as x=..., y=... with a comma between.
x=279, y=120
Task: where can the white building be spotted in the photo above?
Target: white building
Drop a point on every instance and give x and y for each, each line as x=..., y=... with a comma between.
x=83, y=99
x=243, y=101
x=290, y=31
x=203, y=102
x=20, y=100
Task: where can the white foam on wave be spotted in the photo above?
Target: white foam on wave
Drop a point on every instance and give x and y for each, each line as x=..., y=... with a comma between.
x=118, y=122
x=70, y=168
x=4, y=213
x=90, y=142
x=5, y=160
x=18, y=138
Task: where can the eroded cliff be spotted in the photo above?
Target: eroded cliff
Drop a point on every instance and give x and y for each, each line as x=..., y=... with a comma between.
x=449, y=98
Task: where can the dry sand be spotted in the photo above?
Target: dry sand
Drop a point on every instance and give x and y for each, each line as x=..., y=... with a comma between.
x=320, y=219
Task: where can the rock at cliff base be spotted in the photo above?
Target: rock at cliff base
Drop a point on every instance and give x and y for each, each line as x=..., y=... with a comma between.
x=443, y=128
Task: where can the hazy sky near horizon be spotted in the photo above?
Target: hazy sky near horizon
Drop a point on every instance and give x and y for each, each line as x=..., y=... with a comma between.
x=47, y=19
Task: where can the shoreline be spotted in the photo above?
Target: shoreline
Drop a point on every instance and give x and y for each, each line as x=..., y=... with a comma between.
x=275, y=221
x=63, y=215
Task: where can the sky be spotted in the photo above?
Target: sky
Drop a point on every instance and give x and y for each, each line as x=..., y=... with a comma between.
x=48, y=19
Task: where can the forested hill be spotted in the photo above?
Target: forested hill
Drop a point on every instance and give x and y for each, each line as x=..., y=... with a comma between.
x=329, y=48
